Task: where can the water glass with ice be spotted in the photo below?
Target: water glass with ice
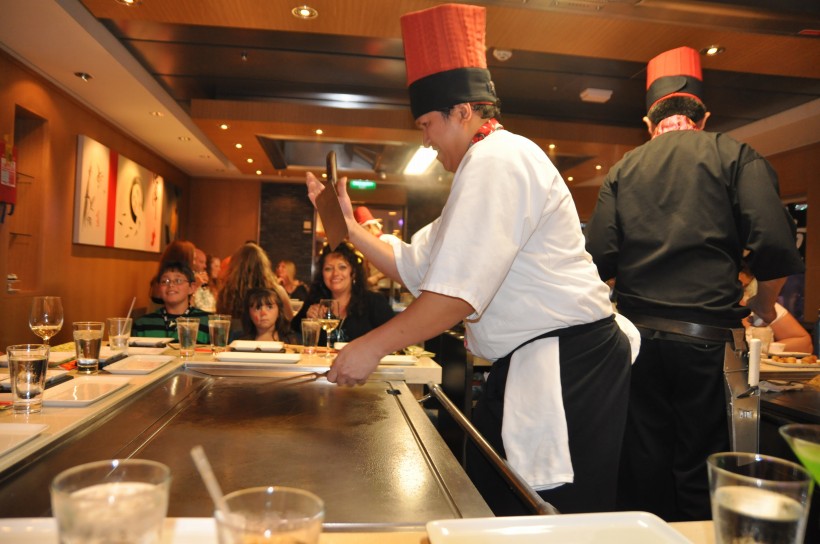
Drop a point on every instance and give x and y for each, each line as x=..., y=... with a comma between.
x=270, y=514
x=219, y=327
x=28, y=364
x=119, y=500
x=119, y=331
x=310, y=335
x=758, y=498
x=187, y=330
x=88, y=337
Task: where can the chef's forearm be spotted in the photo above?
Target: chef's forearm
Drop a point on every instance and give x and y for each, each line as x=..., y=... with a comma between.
x=379, y=253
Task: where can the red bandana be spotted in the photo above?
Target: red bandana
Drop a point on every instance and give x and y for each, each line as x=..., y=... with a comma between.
x=486, y=129
x=675, y=122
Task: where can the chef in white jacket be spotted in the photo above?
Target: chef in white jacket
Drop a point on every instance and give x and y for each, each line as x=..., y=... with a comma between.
x=507, y=257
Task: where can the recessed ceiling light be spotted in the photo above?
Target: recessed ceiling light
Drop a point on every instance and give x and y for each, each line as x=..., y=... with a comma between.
x=324, y=176
x=570, y=178
x=319, y=132
x=712, y=50
x=129, y=3
x=239, y=146
x=156, y=114
x=224, y=126
x=184, y=139
x=598, y=166
x=304, y=12
x=552, y=146
x=250, y=160
x=259, y=172
x=85, y=76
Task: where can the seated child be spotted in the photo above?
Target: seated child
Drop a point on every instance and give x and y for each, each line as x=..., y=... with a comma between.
x=176, y=284
x=264, y=318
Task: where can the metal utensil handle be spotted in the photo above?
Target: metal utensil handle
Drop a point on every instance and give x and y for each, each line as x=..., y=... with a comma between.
x=518, y=484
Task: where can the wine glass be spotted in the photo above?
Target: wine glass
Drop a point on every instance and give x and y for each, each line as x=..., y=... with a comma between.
x=804, y=440
x=329, y=319
x=46, y=317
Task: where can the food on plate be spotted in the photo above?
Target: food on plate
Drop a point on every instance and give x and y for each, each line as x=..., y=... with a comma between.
x=807, y=360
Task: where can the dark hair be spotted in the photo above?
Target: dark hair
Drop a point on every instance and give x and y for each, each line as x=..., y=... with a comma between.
x=355, y=259
x=677, y=105
x=486, y=111
x=176, y=266
x=256, y=298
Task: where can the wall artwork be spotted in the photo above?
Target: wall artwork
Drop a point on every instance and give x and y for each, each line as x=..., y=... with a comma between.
x=117, y=202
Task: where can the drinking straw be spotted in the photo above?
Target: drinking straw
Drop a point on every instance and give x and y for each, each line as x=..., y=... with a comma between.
x=131, y=308
x=204, y=467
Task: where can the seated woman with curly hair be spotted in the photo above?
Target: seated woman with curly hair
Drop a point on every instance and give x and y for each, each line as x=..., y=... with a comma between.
x=340, y=275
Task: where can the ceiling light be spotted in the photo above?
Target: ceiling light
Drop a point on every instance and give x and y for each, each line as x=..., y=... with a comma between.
x=239, y=146
x=184, y=139
x=598, y=166
x=598, y=96
x=712, y=50
x=129, y=3
x=324, y=176
x=421, y=161
x=570, y=178
x=84, y=76
x=552, y=146
x=259, y=172
x=250, y=160
x=224, y=126
x=304, y=12
x=319, y=132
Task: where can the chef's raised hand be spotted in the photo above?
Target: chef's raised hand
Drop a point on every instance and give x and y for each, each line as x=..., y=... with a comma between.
x=354, y=363
x=315, y=186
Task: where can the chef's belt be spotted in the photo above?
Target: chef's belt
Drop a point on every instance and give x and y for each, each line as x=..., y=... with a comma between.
x=743, y=409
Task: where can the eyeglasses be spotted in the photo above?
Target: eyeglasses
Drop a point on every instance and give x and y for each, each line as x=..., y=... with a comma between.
x=176, y=281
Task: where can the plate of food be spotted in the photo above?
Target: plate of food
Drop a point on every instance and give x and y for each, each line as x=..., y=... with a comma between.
x=251, y=345
x=793, y=361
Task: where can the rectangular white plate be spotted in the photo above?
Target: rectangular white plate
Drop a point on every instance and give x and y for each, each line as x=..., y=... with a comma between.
x=398, y=360
x=815, y=366
x=139, y=364
x=255, y=357
x=82, y=391
x=16, y=434
x=44, y=531
x=54, y=358
x=149, y=342
x=612, y=528
x=51, y=375
x=250, y=345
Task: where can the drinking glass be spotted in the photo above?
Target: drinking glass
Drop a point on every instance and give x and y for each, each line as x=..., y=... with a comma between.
x=310, y=335
x=804, y=440
x=28, y=364
x=187, y=332
x=119, y=331
x=46, y=317
x=119, y=500
x=329, y=318
x=270, y=514
x=219, y=327
x=758, y=498
x=88, y=337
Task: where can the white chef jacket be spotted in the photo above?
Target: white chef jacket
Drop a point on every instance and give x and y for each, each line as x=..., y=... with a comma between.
x=509, y=243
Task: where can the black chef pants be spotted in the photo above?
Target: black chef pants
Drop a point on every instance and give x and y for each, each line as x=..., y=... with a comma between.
x=595, y=387
x=677, y=418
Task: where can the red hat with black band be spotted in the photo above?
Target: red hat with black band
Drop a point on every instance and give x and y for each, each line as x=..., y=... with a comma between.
x=446, y=58
x=674, y=73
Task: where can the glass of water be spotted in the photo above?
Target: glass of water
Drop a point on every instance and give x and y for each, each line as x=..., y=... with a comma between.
x=28, y=364
x=757, y=498
x=88, y=337
x=119, y=331
x=120, y=500
x=219, y=326
x=187, y=330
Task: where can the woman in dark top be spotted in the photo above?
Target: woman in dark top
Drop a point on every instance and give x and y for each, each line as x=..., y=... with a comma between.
x=340, y=275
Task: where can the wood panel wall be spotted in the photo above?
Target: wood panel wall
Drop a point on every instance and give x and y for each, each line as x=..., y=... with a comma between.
x=94, y=282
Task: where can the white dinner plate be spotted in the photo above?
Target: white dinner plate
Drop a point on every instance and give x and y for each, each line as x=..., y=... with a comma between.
x=251, y=345
x=815, y=366
x=139, y=364
x=54, y=358
x=612, y=528
x=44, y=531
x=82, y=391
x=398, y=360
x=13, y=435
x=148, y=342
x=256, y=357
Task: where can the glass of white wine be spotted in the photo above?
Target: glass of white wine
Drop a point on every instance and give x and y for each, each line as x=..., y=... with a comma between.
x=46, y=317
x=329, y=319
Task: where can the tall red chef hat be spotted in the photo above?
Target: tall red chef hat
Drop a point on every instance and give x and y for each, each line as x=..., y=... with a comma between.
x=674, y=73
x=446, y=58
